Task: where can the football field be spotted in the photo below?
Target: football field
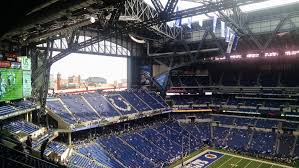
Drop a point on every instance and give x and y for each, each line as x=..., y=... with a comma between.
x=215, y=159
x=232, y=161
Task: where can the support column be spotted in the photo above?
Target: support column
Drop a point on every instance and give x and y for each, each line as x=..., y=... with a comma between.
x=30, y=117
x=27, y=117
x=69, y=138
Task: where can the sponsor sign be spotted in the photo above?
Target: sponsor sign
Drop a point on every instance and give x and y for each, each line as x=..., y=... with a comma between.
x=27, y=89
x=25, y=63
x=15, y=65
x=4, y=64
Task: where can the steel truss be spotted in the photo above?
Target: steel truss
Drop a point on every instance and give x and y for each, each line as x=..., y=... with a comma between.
x=147, y=16
x=240, y=24
x=117, y=47
x=156, y=20
x=138, y=10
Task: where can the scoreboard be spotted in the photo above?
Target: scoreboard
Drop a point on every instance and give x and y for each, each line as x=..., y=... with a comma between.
x=15, y=79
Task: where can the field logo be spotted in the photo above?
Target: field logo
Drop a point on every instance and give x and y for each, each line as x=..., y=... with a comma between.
x=204, y=160
x=210, y=156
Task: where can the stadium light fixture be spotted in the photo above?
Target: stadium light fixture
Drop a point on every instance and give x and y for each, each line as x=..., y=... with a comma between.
x=271, y=54
x=219, y=58
x=290, y=53
x=92, y=19
x=252, y=55
x=236, y=56
x=140, y=41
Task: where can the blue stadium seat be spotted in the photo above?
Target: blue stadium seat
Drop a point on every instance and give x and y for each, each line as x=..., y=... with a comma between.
x=58, y=108
x=238, y=139
x=158, y=98
x=101, y=105
x=23, y=126
x=79, y=107
x=263, y=143
x=99, y=154
x=124, y=153
x=286, y=144
x=147, y=148
x=135, y=101
x=153, y=103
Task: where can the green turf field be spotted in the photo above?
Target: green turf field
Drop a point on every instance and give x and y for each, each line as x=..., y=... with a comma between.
x=228, y=161
x=224, y=160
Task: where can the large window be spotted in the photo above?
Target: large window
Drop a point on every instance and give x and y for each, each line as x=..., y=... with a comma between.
x=79, y=71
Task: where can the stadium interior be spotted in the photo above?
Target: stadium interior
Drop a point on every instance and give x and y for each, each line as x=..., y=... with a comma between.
x=210, y=83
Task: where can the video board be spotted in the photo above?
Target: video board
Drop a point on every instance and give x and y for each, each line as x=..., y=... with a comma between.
x=11, y=84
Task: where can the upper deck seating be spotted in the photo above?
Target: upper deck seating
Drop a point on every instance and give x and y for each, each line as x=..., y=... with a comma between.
x=101, y=105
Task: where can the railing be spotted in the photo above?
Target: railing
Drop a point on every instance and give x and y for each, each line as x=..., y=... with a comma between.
x=11, y=155
x=6, y=162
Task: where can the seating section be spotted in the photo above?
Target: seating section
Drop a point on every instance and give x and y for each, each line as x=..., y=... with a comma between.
x=101, y=105
x=188, y=81
x=286, y=144
x=121, y=104
x=200, y=131
x=81, y=161
x=124, y=153
x=268, y=79
x=238, y=139
x=266, y=123
x=244, y=121
x=99, y=154
x=220, y=136
x=296, y=152
x=172, y=148
x=40, y=139
x=55, y=147
x=57, y=107
x=202, y=80
x=153, y=146
x=6, y=109
x=230, y=78
x=78, y=106
x=16, y=106
x=263, y=143
x=148, y=149
x=248, y=78
x=153, y=103
x=289, y=79
x=254, y=104
x=24, y=104
x=224, y=120
x=21, y=126
x=25, y=159
x=204, y=130
x=162, y=142
x=290, y=125
x=244, y=78
x=75, y=108
x=176, y=81
x=158, y=98
x=135, y=101
x=178, y=135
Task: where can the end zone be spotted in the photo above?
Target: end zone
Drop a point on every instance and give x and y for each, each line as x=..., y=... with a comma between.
x=202, y=160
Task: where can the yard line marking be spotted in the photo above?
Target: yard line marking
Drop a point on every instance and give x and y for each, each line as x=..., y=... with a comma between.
x=262, y=161
x=226, y=161
x=248, y=164
x=260, y=164
x=236, y=164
